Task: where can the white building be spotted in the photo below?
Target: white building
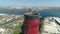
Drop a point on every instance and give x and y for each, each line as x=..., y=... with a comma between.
x=5, y=31
x=2, y=31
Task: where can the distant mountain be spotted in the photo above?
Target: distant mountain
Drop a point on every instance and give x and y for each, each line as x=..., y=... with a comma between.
x=21, y=8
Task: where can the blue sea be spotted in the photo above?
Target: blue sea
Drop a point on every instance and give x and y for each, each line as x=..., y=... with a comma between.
x=49, y=14
x=41, y=13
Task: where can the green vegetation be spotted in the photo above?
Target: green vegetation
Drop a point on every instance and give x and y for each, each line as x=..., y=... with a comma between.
x=13, y=25
x=41, y=29
x=17, y=30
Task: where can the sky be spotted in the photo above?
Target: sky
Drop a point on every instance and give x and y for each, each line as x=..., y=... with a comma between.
x=41, y=3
